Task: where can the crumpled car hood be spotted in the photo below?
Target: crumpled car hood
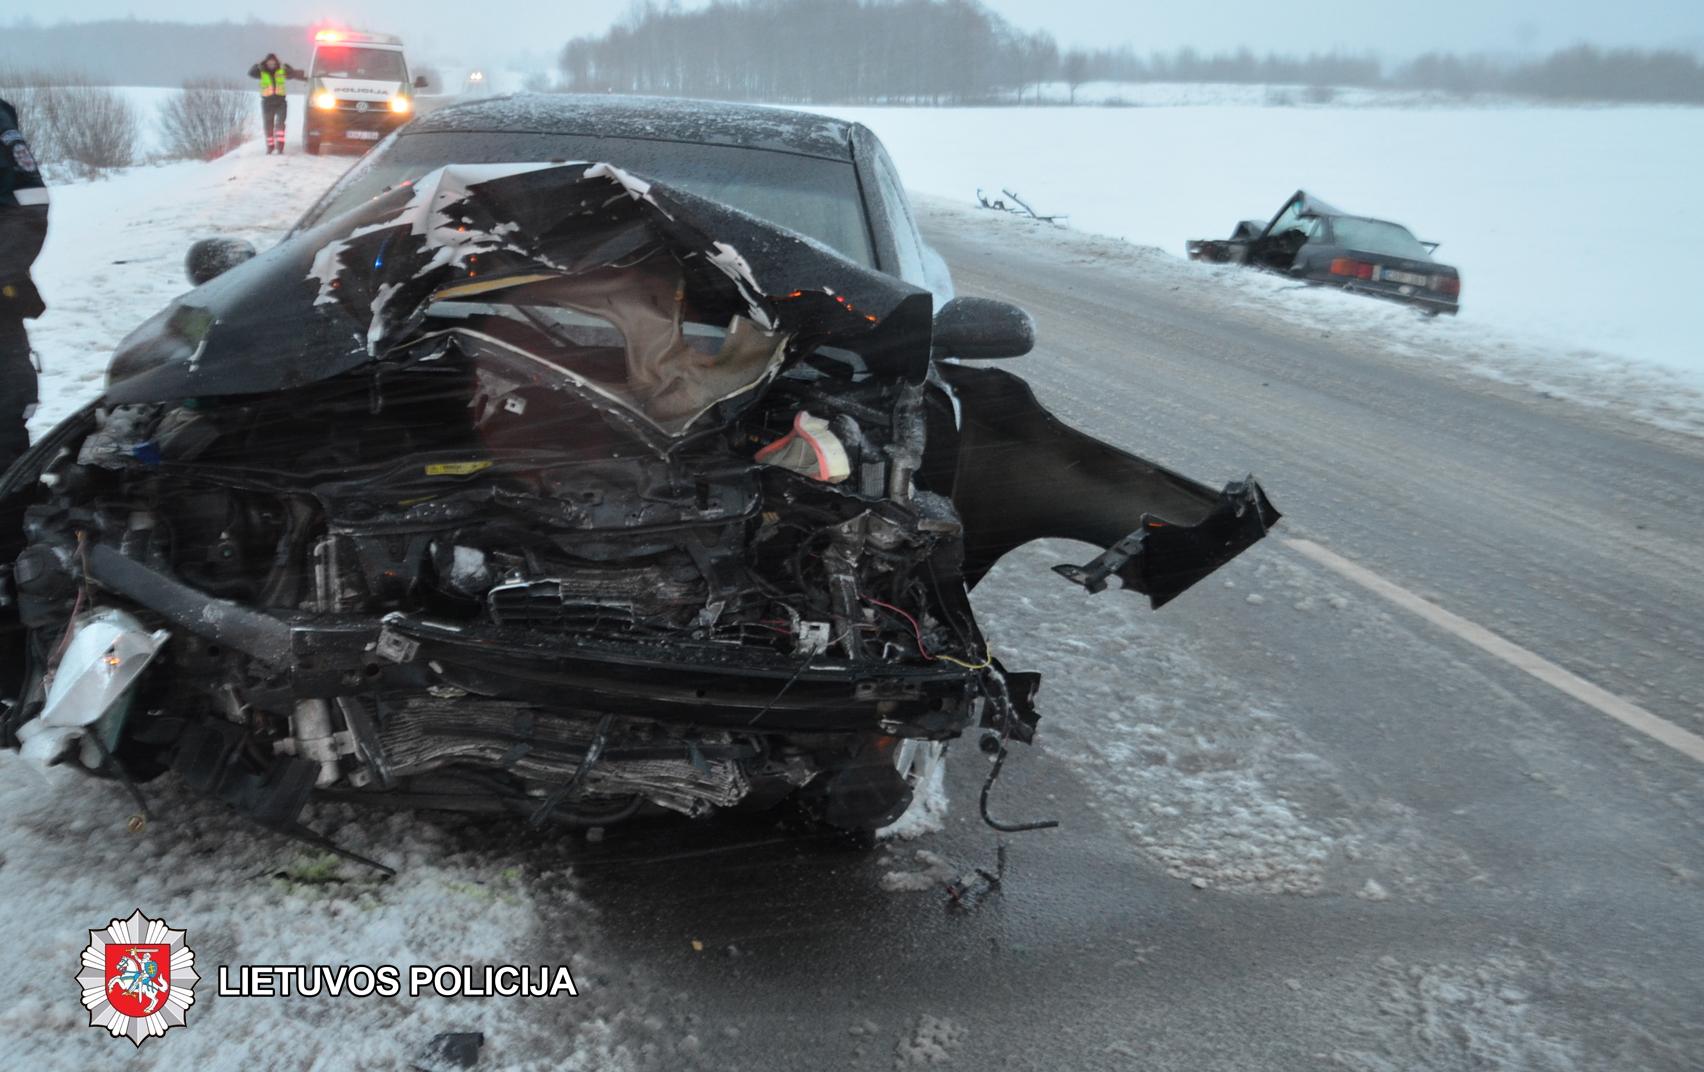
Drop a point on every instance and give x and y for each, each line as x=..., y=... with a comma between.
x=356, y=287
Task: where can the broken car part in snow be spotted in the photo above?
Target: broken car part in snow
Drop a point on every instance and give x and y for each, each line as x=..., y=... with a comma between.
x=551, y=492
x=451, y=1051
x=1321, y=245
x=1018, y=207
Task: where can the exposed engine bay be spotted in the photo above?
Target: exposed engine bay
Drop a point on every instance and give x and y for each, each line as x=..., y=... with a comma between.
x=547, y=491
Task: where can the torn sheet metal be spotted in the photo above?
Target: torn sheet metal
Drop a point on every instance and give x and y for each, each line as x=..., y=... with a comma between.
x=360, y=285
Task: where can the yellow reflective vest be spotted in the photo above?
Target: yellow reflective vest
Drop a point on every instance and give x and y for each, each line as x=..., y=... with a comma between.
x=272, y=82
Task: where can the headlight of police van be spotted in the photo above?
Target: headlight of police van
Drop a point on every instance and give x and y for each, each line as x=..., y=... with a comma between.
x=400, y=104
x=325, y=100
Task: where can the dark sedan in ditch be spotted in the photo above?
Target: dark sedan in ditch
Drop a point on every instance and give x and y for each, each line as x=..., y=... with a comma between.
x=1310, y=240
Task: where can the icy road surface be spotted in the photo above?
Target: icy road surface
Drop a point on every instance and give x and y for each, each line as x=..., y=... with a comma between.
x=1300, y=829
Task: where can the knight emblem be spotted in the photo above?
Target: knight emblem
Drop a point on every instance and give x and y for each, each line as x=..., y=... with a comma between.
x=138, y=978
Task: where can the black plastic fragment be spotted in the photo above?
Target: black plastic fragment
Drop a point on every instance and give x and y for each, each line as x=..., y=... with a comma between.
x=210, y=760
x=450, y=1051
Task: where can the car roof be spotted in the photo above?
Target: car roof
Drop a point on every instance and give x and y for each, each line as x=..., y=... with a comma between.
x=655, y=118
x=1313, y=206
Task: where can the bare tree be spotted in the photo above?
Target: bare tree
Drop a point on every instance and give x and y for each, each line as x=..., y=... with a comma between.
x=207, y=118
x=23, y=89
x=71, y=120
x=1075, y=70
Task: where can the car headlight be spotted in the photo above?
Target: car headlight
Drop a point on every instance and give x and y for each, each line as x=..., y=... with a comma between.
x=325, y=100
x=400, y=104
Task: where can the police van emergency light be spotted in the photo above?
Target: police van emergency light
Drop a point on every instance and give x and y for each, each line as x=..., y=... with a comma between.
x=338, y=37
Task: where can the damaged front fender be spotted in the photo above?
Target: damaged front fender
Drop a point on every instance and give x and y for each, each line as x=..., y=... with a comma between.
x=1024, y=475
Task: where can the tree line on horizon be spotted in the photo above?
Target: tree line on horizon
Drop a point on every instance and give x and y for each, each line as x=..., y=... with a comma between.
x=811, y=51
x=856, y=52
x=959, y=52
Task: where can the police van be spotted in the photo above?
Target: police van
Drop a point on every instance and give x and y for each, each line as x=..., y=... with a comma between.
x=358, y=90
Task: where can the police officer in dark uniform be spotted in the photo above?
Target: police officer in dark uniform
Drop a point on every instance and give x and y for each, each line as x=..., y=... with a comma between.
x=23, y=228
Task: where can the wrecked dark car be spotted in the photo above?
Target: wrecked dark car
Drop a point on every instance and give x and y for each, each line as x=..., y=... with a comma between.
x=1310, y=240
x=550, y=490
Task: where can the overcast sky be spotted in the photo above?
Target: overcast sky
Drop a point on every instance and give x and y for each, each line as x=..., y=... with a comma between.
x=486, y=33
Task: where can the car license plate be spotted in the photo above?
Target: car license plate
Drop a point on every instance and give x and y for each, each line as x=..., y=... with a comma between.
x=1412, y=278
x=362, y=135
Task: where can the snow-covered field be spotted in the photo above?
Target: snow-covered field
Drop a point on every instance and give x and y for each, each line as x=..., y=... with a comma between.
x=1570, y=225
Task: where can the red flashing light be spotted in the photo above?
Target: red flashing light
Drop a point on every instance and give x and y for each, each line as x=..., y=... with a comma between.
x=328, y=35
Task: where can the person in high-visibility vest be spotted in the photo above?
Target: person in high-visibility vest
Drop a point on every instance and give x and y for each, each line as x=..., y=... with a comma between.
x=272, y=73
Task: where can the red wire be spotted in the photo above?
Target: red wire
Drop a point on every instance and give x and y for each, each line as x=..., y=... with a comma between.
x=921, y=650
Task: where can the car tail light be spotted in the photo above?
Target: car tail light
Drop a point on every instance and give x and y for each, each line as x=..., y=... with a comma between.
x=1447, y=284
x=1349, y=266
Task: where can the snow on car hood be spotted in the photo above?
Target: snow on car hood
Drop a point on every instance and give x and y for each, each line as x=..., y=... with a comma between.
x=359, y=286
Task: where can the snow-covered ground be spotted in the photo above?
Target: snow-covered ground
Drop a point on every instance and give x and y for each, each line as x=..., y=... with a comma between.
x=1569, y=224
x=1176, y=94
x=115, y=250
x=1620, y=387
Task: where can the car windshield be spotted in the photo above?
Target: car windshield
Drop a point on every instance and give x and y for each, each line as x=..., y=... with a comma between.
x=374, y=64
x=816, y=197
x=1377, y=236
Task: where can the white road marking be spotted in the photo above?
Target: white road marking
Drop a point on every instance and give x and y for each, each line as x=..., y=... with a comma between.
x=1513, y=654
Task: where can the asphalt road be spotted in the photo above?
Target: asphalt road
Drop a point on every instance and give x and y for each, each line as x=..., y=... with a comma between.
x=1524, y=886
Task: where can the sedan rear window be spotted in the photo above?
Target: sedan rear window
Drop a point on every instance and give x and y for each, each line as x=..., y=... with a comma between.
x=816, y=197
x=1377, y=236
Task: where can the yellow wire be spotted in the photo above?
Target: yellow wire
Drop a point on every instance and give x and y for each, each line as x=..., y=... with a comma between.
x=987, y=660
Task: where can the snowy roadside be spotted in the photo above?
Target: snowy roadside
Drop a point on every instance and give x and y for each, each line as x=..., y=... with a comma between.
x=1648, y=393
x=115, y=249
x=1500, y=187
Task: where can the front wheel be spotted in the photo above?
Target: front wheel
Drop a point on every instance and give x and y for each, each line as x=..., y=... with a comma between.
x=312, y=144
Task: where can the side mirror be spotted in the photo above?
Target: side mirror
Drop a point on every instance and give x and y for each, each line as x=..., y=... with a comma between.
x=213, y=257
x=981, y=328
x=420, y=82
